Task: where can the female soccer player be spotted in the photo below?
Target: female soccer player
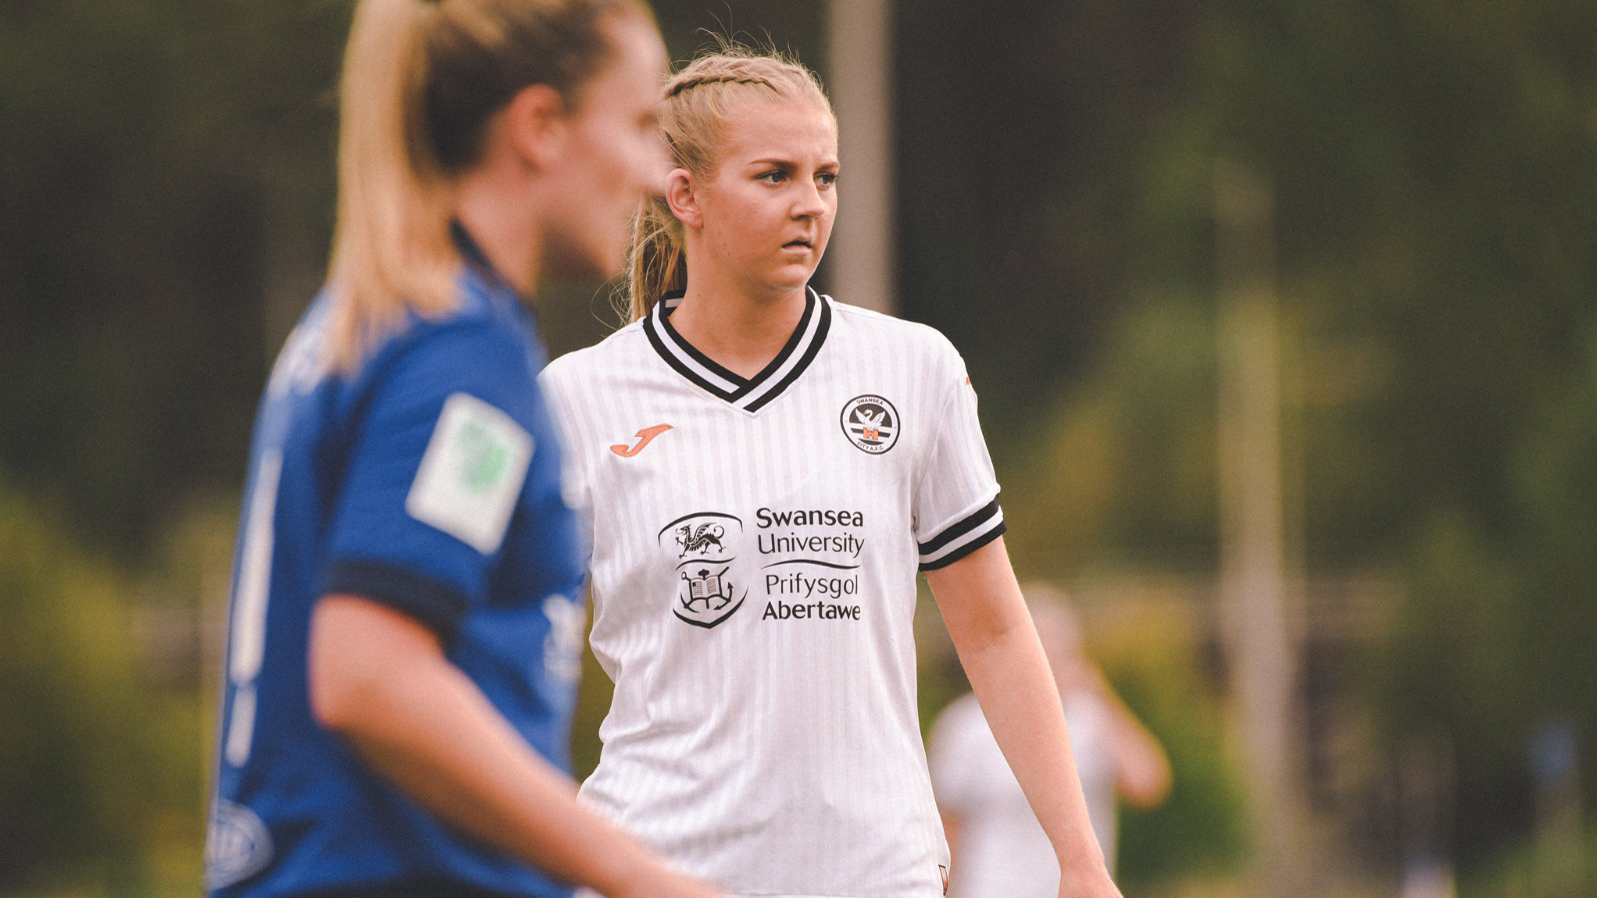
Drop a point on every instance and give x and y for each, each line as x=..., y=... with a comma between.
x=406, y=620
x=765, y=470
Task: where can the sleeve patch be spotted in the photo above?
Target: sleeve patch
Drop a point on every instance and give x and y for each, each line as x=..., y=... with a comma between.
x=472, y=472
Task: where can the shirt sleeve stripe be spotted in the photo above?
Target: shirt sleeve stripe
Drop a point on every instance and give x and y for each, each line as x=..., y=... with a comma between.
x=957, y=551
x=963, y=537
x=959, y=528
x=434, y=603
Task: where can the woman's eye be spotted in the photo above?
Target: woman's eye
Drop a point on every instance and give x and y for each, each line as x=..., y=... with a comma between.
x=826, y=179
x=773, y=177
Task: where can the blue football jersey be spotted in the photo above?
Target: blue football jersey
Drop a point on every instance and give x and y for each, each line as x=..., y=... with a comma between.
x=428, y=480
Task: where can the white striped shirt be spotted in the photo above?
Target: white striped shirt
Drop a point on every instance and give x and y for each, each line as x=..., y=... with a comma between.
x=756, y=543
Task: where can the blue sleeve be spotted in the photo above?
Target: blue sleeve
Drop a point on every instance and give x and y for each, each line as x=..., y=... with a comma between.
x=388, y=541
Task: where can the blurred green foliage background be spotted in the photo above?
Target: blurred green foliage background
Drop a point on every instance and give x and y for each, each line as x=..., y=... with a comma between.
x=165, y=206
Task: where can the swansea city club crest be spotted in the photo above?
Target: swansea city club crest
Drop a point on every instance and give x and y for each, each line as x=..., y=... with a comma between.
x=871, y=423
x=708, y=588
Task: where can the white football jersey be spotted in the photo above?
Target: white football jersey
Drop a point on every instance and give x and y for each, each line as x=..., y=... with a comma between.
x=756, y=543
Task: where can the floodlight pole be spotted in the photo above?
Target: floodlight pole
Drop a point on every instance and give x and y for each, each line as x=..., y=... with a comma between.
x=1259, y=631
x=860, y=258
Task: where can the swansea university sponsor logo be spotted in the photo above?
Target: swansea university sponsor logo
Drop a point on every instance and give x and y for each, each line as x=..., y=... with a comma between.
x=810, y=559
x=708, y=588
x=871, y=423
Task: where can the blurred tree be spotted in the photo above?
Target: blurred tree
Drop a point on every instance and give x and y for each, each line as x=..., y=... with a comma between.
x=1435, y=171
x=1021, y=139
x=1125, y=478
x=93, y=763
x=154, y=145
x=1555, y=482
x=1199, y=829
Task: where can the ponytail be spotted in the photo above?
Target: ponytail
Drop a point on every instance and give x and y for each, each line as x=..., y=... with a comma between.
x=657, y=264
x=421, y=80
x=392, y=252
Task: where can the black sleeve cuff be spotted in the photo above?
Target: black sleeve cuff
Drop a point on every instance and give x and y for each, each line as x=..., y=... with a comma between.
x=963, y=537
x=436, y=604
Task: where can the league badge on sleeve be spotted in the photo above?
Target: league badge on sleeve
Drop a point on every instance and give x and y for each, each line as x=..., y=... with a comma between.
x=471, y=473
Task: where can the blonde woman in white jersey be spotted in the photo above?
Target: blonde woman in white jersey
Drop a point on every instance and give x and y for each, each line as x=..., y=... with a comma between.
x=765, y=471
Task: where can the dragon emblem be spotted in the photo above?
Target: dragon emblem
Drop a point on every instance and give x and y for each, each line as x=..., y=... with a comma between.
x=689, y=539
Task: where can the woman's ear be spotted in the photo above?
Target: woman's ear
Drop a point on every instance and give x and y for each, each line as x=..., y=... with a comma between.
x=535, y=121
x=680, y=196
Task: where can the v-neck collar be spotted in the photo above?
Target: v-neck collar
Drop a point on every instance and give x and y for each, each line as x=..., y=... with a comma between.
x=748, y=394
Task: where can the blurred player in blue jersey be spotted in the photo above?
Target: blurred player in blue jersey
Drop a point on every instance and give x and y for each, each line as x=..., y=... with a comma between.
x=407, y=612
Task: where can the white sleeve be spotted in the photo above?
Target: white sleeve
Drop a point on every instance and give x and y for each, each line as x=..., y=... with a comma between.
x=956, y=496
x=557, y=384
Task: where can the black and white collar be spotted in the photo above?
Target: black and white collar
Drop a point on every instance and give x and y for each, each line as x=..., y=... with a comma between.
x=747, y=394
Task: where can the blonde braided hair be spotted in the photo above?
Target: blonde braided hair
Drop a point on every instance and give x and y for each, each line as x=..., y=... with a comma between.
x=698, y=102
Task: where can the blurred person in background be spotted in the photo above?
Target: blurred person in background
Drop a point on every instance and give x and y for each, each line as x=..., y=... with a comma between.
x=766, y=471
x=999, y=850
x=407, y=619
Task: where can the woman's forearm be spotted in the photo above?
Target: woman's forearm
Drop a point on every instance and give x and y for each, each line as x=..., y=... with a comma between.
x=380, y=680
x=1009, y=674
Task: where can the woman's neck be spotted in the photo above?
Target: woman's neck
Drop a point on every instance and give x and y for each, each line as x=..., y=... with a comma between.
x=742, y=334
x=503, y=229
